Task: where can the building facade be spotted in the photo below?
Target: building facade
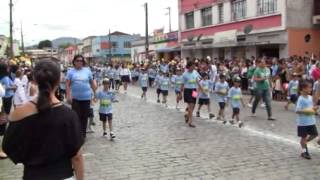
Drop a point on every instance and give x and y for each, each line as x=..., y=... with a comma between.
x=87, y=47
x=161, y=46
x=4, y=44
x=243, y=28
x=116, y=47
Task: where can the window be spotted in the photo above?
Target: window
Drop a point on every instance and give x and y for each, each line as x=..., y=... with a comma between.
x=206, y=16
x=267, y=7
x=189, y=20
x=220, y=11
x=127, y=44
x=239, y=9
x=114, y=44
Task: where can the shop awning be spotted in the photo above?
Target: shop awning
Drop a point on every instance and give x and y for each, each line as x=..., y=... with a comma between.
x=168, y=49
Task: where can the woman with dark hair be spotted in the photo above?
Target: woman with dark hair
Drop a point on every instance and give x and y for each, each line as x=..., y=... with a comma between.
x=9, y=86
x=80, y=87
x=189, y=87
x=46, y=144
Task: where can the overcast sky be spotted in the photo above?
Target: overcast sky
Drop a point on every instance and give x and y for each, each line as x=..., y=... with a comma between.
x=50, y=19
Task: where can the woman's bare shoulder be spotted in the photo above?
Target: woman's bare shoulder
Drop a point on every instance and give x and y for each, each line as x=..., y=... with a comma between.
x=23, y=111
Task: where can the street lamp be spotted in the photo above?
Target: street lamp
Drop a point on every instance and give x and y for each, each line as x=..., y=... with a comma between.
x=169, y=13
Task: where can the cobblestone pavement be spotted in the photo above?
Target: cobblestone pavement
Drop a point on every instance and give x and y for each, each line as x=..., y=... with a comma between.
x=153, y=142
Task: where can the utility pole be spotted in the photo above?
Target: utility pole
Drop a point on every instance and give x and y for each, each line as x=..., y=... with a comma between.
x=22, y=40
x=169, y=13
x=11, y=33
x=109, y=39
x=147, y=33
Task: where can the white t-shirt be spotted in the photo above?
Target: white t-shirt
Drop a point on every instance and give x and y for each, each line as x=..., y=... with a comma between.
x=19, y=97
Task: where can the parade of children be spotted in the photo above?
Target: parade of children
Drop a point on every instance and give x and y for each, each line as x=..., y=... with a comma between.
x=191, y=84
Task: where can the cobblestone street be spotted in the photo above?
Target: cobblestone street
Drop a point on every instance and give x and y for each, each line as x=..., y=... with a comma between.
x=153, y=142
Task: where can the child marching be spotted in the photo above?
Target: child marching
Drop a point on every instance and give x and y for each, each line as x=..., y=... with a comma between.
x=204, y=96
x=177, y=82
x=106, y=98
x=306, y=120
x=221, y=88
x=235, y=96
x=143, y=82
x=164, y=87
x=293, y=90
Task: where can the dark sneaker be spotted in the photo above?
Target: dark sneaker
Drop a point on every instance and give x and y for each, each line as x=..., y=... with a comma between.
x=198, y=114
x=93, y=123
x=240, y=124
x=158, y=101
x=224, y=122
x=112, y=136
x=271, y=119
x=192, y=126
x=104, y=134
x=306, y=155
x=231, y=122
x=211, y=116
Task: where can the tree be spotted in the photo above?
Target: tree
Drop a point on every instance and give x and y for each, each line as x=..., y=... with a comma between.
x=45, y=44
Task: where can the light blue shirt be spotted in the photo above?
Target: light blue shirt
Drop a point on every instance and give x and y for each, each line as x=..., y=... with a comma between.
x=80, y=83
x=235, y=95
x=164, y=68
x=106, y=99
x=143, y=80
x=190, y=79
x=7, y=83
x=205, y=84
x=157, y=81
x=152, y=73
x=293, y=87
x=177, y=82
x=165, y=83
x=116, y=74
x=304, y=119
x=135, y=73
x=222, y=87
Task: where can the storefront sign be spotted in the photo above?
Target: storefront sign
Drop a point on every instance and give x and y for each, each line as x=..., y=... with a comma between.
x=165, y=37
x=226, y=36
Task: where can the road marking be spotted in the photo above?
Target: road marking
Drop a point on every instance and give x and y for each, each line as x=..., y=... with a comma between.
x=269, y=135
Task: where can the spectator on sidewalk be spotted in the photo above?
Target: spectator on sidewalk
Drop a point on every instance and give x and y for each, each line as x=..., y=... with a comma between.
x=46, y=144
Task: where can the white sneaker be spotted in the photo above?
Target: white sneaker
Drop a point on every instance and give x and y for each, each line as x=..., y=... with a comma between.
x=263, y=105
x=249, y=105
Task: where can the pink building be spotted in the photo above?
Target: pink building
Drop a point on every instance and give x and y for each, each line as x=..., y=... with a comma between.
x=245, y=28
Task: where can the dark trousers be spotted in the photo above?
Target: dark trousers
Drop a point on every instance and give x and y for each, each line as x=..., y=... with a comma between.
x=265, y=95
x=82, y=108
x=111, y=83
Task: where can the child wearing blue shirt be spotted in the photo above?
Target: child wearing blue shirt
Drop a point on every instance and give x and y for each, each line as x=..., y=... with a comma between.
x=152, y=73
x=106, y=98
x=235, y=96
x=293, y=90
x=221, y=89
x=143, y=81
x=157, y=82
x=306, y=120
x=204, y=98
x=177, y=82
x=164, y=87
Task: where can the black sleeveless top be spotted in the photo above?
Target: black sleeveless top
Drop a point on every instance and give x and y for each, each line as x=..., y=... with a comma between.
x=45, y=143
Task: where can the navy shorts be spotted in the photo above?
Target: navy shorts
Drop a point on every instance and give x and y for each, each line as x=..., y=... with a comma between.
x=144, y=89
x=222, y=105
x=293, y=98
x=236, y=111
x=204, y=101
x=187, y=96
x=105, y=117
x=91, y=114
x=158, y=91
x=165, y=92
x=304, y=131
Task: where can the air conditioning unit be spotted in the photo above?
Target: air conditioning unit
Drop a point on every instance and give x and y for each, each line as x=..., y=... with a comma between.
x=316, y=19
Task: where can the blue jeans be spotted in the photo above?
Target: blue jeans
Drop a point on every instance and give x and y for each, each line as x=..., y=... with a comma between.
x=265, y=95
